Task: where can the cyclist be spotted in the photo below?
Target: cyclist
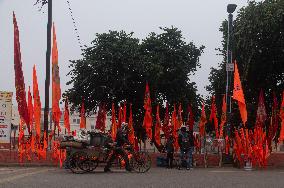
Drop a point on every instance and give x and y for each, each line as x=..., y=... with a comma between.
x=121, y=139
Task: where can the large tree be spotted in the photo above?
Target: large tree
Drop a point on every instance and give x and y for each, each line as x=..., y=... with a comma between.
x=116, y=67
x=258, y=47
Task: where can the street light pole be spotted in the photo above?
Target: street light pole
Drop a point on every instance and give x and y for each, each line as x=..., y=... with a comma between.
x=229, y=64
x=47, y=79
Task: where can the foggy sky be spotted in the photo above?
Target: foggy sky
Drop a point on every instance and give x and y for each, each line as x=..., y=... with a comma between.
x=199, y=21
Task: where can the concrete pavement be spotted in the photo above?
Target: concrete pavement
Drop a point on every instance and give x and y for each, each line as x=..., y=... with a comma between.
x=48, y=177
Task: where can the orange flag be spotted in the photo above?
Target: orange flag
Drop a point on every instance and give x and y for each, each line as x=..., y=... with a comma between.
x=213, y=116
x=223, y=116
x=56, y=91
x=261, y=115
x=113, y=123
x=281, y=138
x=180, y=121
x=158, y=127
x=120, y=117
x=124, y=112
x=83, y=118
x=166, y=128
x=19, y=76
x=30, y=108
x=175, y=127
x=238, y=95
x=147, y=122
x=66, y=117
x=202, y=121
x=131, y=136
x=37, y=104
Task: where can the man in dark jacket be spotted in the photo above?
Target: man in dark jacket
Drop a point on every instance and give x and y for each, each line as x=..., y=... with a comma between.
x=121, y=139
x=170, y=151
x=186, y=144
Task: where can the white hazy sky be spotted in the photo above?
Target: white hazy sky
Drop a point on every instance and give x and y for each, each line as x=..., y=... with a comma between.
x=199, y=20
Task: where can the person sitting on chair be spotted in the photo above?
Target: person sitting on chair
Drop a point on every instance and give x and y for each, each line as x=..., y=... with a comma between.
x=121, y=139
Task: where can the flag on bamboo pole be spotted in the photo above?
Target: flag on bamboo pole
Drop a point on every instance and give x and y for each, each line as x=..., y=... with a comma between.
x=223, y=116
x=66, y=117
x=124, y=112
x=37, y=104
x=158, y=127
x=166, y=128
x=281, y=138
x=131, y=136
x=213, y=116
x=113, y=123
x=180, y=121
x=190, y=117
x=31, y=113
x=175, y=127
x=120, y=117
x=147, y=122
x=202, y=121
x=56, y=91
x=238, y=95
x=19, y=76
x=261, y=115
x=83, y=117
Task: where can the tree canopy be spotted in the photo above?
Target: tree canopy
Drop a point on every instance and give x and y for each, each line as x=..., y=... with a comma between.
x=258, y=47
x=117, y=65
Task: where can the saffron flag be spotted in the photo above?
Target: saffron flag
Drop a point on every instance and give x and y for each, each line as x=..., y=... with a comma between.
x=124, y=112
x=83, y=118
x=223, y=116
x=166, y=128
x=113, y=123
x=180, y=121
x=147, y=122
x=66, y=117
x=190, y=117
x=37, y=104
x=19, y=76
x=281, y=138
x=101, y=118
x=261, y=115
x=238, y=95
x=31, y=113
x=131, y=136
x=175, y=127
x=158, y=127
x=213, y=116
x=202, y=121
x=56, y=91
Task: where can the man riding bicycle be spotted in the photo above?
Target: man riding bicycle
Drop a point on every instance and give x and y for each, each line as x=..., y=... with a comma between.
x=121, y=139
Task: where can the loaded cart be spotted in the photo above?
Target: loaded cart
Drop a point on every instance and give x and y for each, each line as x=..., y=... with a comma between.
x=85, y=153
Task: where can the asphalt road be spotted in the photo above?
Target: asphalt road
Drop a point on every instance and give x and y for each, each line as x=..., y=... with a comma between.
x=40, y=177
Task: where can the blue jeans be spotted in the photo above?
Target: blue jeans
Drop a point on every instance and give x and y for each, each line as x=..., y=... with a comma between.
x=187, y=155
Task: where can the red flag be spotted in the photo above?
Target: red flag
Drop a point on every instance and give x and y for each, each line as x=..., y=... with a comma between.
x=213, y=116
x=166, y=128
x=223, y=116
x=175, y=127
x=19, y=76
x=101, y=118
x=158, y=127
x=238, y=94
x=131, y=136
x=180, y=121
x=124, y=112
x=83, y=118
x=261, y=112
x=31, y=113
x=66, y=117
x=37, y=104
x=120, y=117
x=274, y=117
x=202, y=121
x=147, y=122
x=281, y=138
x=190, y=117
x=56, y=91
x=113, y=123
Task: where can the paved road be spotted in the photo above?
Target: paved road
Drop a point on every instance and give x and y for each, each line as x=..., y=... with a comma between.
x=156, y=178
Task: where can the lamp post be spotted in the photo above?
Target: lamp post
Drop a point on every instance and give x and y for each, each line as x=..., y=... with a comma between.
x=229, y=64
x=47, y=70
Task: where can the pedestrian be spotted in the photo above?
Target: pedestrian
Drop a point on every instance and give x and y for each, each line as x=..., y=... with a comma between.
x=186, y=144
x=170, y=151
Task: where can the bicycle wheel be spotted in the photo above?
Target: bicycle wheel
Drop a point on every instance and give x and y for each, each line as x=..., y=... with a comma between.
x=140, y=162
x=75, y=162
